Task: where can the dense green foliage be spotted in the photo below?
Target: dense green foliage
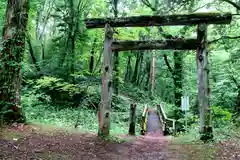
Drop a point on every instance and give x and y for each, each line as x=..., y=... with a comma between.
x=63, y=60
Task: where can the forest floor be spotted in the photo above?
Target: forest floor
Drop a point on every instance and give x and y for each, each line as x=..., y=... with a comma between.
x=47, y=142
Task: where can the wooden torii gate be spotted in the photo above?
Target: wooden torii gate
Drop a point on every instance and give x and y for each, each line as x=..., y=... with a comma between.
x=199, y=44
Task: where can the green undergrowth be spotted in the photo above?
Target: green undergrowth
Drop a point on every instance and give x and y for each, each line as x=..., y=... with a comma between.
x=68, y=117
x=192, y=136
x=189, y=143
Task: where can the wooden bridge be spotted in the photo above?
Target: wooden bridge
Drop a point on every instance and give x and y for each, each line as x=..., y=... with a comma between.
x=156, y=120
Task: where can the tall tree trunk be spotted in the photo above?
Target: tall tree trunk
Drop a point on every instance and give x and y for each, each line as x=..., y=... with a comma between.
x=11, y=57
x=148, y=68
x=116, y=55
x=237, y=107
x=72, y=53
x=72, y=36
x=116, y=72
x=177, y=80
x=140, y=74
x=152, y=74
x=128, y=70
x=177, y=77
x=43, y=48
x=91, y=63
x=136, y=69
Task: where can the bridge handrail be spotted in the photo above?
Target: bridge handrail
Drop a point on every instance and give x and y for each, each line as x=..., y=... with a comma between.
x=144, y=120
x=165, y=118
x=145, y=111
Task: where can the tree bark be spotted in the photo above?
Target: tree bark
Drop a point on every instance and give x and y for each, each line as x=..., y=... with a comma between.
x=177, y=78
x=140, y=72
x=91, y=63
x=136, y=69
x=148, y=68
x=132, y=119
x=116, y=72
x=165, y=20
x=128, y=70
x=11, y=57
x=116, y=55
x=153, y=74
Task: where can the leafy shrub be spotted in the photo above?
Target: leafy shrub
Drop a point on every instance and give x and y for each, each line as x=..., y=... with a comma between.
x=59, y=91
x=68, y=94
x=221, y=117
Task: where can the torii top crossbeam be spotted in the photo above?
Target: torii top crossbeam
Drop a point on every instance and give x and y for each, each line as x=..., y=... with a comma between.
x=164, y=20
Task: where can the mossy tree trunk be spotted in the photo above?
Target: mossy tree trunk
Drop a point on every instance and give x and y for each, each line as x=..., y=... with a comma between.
x=10, y=59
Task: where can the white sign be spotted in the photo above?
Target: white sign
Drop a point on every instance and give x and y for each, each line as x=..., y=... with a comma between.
x=185, y=103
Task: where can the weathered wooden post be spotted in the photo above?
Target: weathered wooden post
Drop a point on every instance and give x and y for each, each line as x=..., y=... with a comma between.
x=203, y=83
x=106, y=92
x=132, y=119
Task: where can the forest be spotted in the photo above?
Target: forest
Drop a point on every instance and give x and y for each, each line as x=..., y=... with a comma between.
x=53, y=72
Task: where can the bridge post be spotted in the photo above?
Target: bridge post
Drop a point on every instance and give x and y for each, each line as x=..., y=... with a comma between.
x=132, y=119
x=106, y=91
x=144, y=120
x=203, y=83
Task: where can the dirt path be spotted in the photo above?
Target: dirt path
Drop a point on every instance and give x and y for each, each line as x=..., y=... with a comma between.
x=75, y=146
x=56, y=144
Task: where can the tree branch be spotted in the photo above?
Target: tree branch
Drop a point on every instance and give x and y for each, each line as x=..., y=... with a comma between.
x=223, y=37
x=232, y=3
x=167, y=63
x=148, y=4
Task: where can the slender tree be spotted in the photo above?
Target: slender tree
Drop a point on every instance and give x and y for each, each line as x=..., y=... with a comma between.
x=116, y=54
